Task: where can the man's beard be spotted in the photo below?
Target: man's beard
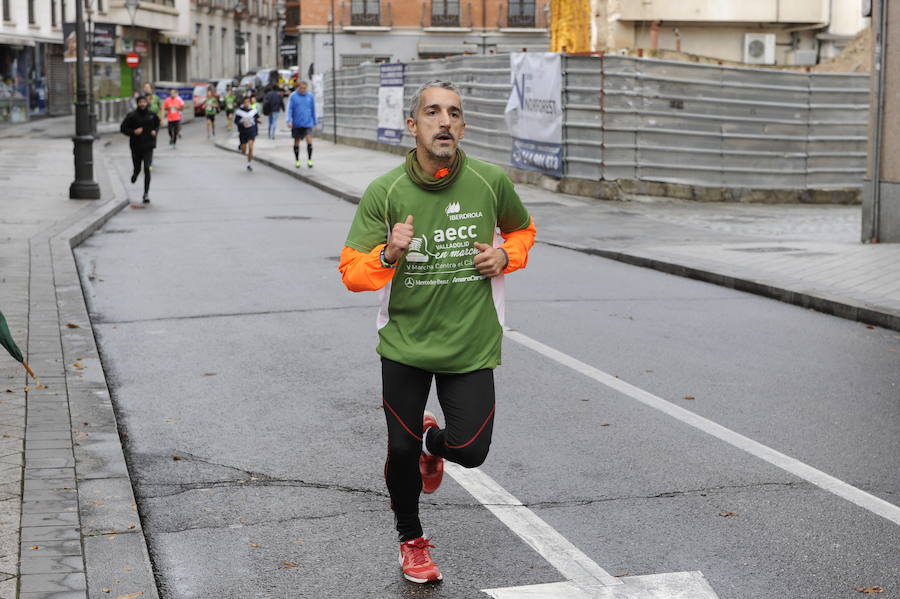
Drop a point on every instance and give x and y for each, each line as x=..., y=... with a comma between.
x=441, y=153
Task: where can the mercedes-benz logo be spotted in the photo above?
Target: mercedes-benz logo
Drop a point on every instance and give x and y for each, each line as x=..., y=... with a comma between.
x=410, y=282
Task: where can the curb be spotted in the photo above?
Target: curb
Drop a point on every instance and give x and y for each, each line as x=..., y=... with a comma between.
x=347, y=195
x=106, y=555
x=839, y=307
x=842, y=308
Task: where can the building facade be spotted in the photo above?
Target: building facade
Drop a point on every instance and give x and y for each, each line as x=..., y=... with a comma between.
x=32, y=73
x=409, y=30
x=761, y=32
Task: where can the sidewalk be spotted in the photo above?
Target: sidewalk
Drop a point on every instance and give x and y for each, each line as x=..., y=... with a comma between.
x=802, y=254
x=69, y=527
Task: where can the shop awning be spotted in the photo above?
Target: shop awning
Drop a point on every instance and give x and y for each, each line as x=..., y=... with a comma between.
x=176, y=39
x=14, y=40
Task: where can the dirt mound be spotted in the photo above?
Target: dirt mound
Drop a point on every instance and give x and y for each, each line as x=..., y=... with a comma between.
x=856, y=57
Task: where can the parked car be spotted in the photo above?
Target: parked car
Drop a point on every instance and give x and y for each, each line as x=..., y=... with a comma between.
x=221, y=85
x=200, y=98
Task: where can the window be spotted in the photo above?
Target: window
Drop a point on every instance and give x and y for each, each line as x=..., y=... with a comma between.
x=445, y=13
x=31, y=12
x=53, y=13
x=292, y=16
x=100, y=6
x=521, y=13
x=6, y=15
x=366, y=12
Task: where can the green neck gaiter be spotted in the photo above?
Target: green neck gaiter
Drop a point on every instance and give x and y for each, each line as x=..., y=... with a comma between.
x=426, y=181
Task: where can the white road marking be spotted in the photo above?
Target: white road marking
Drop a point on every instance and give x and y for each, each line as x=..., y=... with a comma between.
x=585, y=579
x=825, y=481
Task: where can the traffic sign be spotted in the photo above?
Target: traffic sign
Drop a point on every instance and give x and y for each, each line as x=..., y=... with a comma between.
x=132, y=59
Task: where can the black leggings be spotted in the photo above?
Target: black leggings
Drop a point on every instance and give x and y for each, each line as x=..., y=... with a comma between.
x=145, y=158
x=174, y=129
x=467, y=401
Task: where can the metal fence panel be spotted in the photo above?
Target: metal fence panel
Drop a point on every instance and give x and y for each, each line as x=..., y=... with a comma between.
x=655, y=120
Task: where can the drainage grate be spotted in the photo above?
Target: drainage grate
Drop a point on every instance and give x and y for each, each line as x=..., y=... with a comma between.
x=766, y=250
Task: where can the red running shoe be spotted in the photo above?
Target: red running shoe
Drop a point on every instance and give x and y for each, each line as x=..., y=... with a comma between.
x=416, y=562
x=430, y=466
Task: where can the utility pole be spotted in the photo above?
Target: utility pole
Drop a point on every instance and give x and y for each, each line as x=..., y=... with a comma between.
x=881, y=192
x=84, y=187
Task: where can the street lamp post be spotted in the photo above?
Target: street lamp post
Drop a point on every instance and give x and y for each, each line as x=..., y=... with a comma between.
x=132, y=7
x=280, y=11
x=333, y=77
x=92, y=109
x=238, y=37
x=83, y=187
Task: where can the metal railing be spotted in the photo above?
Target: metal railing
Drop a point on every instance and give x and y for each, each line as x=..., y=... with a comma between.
x=352, y=16
x=654, y=120
x=446, y=13
x=522, y=16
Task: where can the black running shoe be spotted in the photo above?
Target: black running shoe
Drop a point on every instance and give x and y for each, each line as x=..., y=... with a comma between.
x=134, y=177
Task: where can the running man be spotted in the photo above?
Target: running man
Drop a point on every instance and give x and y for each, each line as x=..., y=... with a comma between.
x=173, y=107
x=155, y=104
x=247, y=120
x=211, y=107
x=433, y=221
x=230, y=102
x=141, y=126
x=301, y=118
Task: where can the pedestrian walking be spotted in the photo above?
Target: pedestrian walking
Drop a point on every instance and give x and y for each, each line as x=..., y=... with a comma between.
x=247, y=120
x=273, y=105
x=441, y=268
x=230, y=102
x=301, y=118
x=211, y=108
x=173, y=107
x=141, y=125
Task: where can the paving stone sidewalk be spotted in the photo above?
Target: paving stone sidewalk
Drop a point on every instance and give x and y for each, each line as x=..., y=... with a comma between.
x=809, y=255
x=69, y=527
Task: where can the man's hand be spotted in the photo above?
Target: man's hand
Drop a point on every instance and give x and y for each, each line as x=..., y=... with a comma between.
x=289, y=124
x=153, y=133
x=139, y=130
x=398, y=243
x=490, y=261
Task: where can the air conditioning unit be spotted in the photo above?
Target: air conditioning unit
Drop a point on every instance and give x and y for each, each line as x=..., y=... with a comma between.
x=803, y=58
x=759, y=48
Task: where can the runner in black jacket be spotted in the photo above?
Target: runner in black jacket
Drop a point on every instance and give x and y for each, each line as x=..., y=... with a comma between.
x=141, y=126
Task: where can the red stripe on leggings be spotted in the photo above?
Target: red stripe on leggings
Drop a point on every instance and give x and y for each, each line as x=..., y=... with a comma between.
x=403, y=424
x=486, y=420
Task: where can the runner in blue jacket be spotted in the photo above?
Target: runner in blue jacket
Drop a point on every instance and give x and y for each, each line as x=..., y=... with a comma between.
x=301, y=118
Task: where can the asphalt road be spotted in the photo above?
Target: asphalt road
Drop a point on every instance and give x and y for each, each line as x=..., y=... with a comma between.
x=248, y=394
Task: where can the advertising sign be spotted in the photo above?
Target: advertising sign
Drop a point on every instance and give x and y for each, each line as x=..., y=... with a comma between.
x=534, y=112
x=104, y=42
x=390, y=104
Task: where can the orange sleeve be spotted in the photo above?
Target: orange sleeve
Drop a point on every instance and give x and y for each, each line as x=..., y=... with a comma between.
x=363, y=272
x=517, y=243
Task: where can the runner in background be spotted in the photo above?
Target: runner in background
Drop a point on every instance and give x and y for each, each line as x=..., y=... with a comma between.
x=141, y=125
x=173, y=107
x=230, y=102
x=211, y=107
x=247, y=120
x=154, y=105
x=301, y=118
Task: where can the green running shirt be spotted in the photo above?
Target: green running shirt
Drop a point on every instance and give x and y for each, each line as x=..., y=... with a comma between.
x=439, y=313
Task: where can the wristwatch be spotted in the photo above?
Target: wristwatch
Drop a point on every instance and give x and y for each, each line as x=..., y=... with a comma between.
x=384, y=262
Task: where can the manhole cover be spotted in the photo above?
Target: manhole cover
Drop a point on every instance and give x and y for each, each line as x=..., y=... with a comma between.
x=288, y=217
x=766, y=250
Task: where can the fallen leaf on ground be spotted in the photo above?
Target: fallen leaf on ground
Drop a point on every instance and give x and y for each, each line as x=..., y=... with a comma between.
x=35, y=547
x=727, y=514
x=41, y=386
x=177, y=458
x=604, y=425
x=254, y=544
x=871, y=328
x=132, y=527
x=27, y=388
x=111, y=538
x=106, y=590
x=130, y=595
x=620, y=575
x=209, y=374
x=10, y=391
x=128, y=569
x=868, y=590
x=689, y=397
x=97, y=502
x=288, y=565
x=72, y=325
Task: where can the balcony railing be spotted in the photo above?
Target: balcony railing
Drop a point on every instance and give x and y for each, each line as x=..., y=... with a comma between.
x=382, y=17
x=447, y=13
x=518, y=16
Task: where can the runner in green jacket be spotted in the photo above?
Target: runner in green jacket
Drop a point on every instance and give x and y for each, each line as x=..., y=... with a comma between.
x=428, y=235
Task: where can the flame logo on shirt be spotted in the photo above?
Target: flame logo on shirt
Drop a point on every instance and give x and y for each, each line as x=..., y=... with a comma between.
x=452, y=208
